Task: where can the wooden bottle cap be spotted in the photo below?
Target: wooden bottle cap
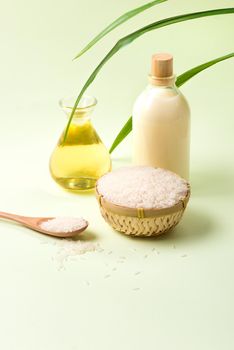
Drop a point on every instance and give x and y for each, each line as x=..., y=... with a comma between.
x=162, y=65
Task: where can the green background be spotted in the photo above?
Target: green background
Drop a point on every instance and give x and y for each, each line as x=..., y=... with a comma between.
x=185, y=296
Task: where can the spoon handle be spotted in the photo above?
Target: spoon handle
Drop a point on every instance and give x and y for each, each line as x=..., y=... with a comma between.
x=14, y=217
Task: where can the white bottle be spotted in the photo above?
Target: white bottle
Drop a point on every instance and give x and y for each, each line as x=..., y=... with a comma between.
x=161, y=121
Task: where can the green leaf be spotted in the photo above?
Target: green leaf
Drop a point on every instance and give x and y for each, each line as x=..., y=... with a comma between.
x=133, y=36
x=125, y=17
x=122, y=134
x=183, y=78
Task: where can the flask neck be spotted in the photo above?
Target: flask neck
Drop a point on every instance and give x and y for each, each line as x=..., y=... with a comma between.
x=80, y=117
x=162, y=81
x=83, y=111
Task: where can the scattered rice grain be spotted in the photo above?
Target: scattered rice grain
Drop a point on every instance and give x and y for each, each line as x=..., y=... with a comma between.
x=70, y=248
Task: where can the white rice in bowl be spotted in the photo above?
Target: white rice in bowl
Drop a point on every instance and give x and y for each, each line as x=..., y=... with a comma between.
x=142, y=187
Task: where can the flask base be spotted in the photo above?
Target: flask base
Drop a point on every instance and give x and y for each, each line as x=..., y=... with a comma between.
x=77, y=184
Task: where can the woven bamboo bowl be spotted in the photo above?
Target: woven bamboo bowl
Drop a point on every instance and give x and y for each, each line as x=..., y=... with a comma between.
x=139, y=221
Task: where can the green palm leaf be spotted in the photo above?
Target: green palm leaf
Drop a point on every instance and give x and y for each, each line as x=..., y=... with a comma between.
x=181, y=79
x=125, y=17
x=133, y=36
x=126, y=129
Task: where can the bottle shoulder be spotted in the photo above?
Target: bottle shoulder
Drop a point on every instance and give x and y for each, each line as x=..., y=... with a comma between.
x=164, y=93
x=158, y=100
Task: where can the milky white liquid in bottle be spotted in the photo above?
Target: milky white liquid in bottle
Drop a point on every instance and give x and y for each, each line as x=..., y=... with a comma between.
x=161, y=121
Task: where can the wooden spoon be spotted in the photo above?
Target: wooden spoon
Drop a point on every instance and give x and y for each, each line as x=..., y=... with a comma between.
x=34, y=224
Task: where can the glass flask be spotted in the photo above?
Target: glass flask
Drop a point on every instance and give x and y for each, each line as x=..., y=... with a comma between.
x=78, y=161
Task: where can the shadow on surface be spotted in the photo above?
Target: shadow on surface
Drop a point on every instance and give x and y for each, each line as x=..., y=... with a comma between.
x=87, y=235
x=195, y=225
x=218, y=182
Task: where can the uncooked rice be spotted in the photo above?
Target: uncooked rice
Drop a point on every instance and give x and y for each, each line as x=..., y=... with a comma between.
x=70, y=248
x=63, y=224
x=142, y=187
